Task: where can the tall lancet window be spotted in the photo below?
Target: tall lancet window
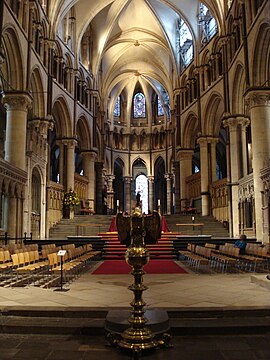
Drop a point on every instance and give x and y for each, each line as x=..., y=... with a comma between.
x=117, y=108
x=184, y=44
x=207, y=23
x=160, y=108
x=139, y=105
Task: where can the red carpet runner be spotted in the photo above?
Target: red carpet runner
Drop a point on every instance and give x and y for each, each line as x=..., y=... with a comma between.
x=111, y=267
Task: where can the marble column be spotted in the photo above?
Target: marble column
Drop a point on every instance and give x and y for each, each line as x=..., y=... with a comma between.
x=232, y=124
x=204, y=170
x=258, y=102
x=17, y=105
x=127, y=194
x=89, y=158
x=151, y=192
x=185, y=170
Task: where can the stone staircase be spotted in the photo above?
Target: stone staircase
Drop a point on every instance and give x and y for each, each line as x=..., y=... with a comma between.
x=210, y=225
x=81, y=225
x=91, y=225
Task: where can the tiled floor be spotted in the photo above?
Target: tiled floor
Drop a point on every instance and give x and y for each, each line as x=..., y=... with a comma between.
x=176, y=291
x=164, y=291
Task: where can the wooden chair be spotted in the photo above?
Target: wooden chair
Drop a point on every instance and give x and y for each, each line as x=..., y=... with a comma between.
x=189, y=209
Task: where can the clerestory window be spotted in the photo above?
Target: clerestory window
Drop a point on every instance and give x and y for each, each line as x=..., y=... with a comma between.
x=139, y=110
x=184, y=44
x=117, y=108
x=207, y=24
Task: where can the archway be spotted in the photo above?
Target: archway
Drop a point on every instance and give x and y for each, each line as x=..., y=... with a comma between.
x=160, y=185
x=141, y=184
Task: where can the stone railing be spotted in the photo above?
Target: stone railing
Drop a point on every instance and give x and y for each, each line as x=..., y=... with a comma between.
x=219, y=198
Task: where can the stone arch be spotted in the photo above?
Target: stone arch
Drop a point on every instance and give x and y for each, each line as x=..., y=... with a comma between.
x=13, y=67
x=211, y=119
x=83, y=133
x=37, y=92
x=190, y=131
x=261, y=60
x=62, y=117
x=238, y=90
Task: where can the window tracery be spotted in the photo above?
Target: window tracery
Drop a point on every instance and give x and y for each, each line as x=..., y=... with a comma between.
x=207, y=23
x=117, y=108
x=184, y=44
x=139, y=110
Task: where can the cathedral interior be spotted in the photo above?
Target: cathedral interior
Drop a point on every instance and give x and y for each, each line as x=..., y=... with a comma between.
x=111, y=98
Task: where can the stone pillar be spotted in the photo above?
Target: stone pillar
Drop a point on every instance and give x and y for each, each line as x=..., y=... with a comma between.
x=70, y=166
x=185, y=169
x=258, y=102
x=110, y=194
x=213, y=143
x=232, y=124
x=244, y=122
x=17, y=104
x=169, y=193
x=176, y=170
x=204, y=170
x=151, y=192
x=127, y=194
x=89, y=158
x=99, y=186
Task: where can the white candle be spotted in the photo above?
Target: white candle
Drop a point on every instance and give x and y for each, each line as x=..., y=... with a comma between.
x=117, y=202
x=158, y=202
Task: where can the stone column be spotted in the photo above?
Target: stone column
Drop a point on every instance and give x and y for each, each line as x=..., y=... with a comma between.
x=258, y=102
x=89, y=158
x=204, y=170
x=176, y=171
x=244, y=122
x=185, y=169
x=127, y=194
x=99, y=186
x=232, y=124
x=213, y=143
x=169, y=193
x=110, y=194
x=151, y=192
x=70, y=165
x=17, y=104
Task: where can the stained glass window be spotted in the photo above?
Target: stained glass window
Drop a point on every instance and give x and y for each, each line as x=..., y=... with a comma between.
x=139, y=105
x=207, y=23
x=117, y=108
x=160, y=108
x=185, y=44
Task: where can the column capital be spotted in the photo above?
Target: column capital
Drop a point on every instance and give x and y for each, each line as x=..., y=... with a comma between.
x=185, y=154
x=42, y=124
x=127, y=179
x=168, y=176
x=151, y=179
x=15, y=100
x=69, y=142
x=255, y=97
x=202, y=141
x=91, y=156
x=230, y=123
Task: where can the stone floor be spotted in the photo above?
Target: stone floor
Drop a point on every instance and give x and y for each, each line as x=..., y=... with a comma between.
x=169, y=292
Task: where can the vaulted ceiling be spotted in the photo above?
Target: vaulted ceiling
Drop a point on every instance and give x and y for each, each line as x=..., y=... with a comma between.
x=133, y=40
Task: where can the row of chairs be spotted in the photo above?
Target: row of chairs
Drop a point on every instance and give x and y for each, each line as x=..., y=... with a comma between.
x=227, y=256
x=14, y=248
x=30, y=267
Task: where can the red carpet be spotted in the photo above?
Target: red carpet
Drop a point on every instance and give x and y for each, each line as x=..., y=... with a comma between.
x=111, y=267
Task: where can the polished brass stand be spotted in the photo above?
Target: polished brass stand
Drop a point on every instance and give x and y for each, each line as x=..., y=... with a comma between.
x=135, y=231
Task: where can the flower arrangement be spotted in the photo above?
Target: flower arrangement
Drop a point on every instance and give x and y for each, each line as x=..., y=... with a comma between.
x=71, y=199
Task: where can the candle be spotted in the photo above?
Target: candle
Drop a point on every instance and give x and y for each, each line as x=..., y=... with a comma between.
x=158, y=202
x=117, y=202
x=193, y=218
